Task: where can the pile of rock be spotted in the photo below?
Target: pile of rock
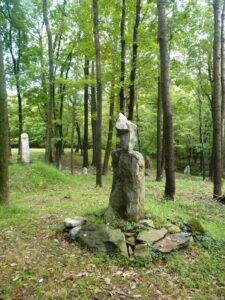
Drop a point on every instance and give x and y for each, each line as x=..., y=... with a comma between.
x=104, y=238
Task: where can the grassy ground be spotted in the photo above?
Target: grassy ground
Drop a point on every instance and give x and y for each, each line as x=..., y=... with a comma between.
x=36, y=263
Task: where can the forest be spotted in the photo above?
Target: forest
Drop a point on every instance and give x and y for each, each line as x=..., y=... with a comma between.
x=70, y=71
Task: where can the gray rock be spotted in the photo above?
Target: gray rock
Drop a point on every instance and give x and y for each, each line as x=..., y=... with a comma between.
x=147, y=223
x=141, y=251
x=127, y=132
x=25, y=149
x=74, y=232
x=128, y=187
x=100, y=237
x=173, y=228
x=74, y=222
x=147, y=216
x=130, y=250
x=151, y=236
x=172, y=242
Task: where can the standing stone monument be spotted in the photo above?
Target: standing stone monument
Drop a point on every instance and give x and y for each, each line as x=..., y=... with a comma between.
x=128, y=187
x=25, y=149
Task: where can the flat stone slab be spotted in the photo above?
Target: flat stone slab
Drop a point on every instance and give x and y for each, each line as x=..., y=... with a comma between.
x=172, y=242
x=141, y=251
x=151, y=236
x=102, y=238
x=74, y=222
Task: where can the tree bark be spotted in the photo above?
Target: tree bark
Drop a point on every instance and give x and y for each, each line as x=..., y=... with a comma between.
x=222, y=86
x=138, y=120
x=134, y=60
x=72, y=135
x=85, y=139
x=79, y=141
x=217, y=192
x=122, y=62
x=59, y=126
x=93, y=116
x=201, y=138
x=99, y=96
x=168, y=121
x=16, y=71
x=110, y=132
x=3, y=132
x=159, y=136
x=48, y=149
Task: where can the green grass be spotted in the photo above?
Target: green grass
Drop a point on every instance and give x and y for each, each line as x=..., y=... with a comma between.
x=37, y=263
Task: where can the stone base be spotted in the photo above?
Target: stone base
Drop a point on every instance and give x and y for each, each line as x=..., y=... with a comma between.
x=132, y=244
x=128, y=188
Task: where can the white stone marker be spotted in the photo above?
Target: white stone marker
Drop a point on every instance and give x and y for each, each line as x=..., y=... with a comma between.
x=25, y=149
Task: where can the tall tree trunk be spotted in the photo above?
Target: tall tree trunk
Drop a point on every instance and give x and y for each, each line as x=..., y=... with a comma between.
x=217, y=101
x=201, y=137
x=137, y=120
x=222, y=87
x=48, y=149
x=85, y=139
x=134, y=60
x=122, y=62
x=72, y=135
x=93, y=116
x=168, y=122
x=110, y=132
x=79, y=141
x=99, y=96
x=159, y=136
x=16, y=71
x=3, y=132
x=59, y=126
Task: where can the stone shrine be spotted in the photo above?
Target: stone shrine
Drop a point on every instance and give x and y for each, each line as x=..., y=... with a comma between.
x=128, y=187
x=25, y=149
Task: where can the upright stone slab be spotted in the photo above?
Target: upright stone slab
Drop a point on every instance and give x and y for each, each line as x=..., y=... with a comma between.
x=128, y=188
x=25, y=149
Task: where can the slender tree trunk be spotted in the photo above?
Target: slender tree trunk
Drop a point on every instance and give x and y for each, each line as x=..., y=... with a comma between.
x=201, y=138
x=122, y=62
x=217, y=101
x=93, y=116
x=59, y=127
x=3, y=132
x=134, y=60
x=72, y=135
x=163, y=151
x=9, y=144
x=110, y=132
x=79, y=141
x=20, y=114
x=137, y=120
x=222, y=87
x=48, y=149
x=85, y=139
x=16, y=71
x=168, y=122
x=99, y=97
x=159, y=137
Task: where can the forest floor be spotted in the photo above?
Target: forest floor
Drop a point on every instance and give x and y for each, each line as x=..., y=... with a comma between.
x=37, y=263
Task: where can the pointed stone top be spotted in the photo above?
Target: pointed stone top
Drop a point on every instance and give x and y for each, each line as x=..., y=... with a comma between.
x=24, y=135
x=127, y=131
